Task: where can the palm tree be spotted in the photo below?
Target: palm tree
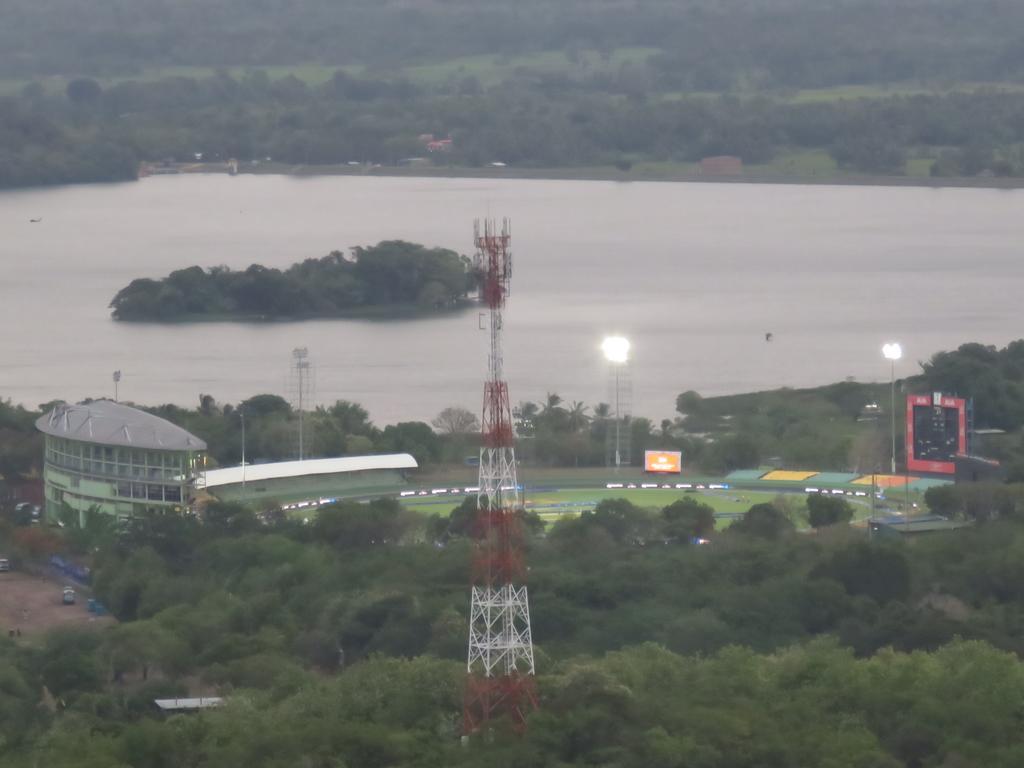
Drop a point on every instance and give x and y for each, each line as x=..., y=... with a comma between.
x=578, y=418
x=599, y=424
x=552, y=414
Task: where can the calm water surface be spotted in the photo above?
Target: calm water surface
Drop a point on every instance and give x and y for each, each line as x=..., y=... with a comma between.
x=694, y=274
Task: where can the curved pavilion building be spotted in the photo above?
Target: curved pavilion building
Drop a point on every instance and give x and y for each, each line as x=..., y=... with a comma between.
x=116, y=460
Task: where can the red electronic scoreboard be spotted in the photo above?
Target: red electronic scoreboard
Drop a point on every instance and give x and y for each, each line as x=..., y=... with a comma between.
x=936, y=432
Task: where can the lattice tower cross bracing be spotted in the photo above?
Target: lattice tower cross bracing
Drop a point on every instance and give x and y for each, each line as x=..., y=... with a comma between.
x=499, y=666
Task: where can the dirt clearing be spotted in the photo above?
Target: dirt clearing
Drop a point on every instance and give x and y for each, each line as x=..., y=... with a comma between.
x=33, y=605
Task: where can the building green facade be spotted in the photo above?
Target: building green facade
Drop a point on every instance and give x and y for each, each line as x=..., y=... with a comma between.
x=111, y=459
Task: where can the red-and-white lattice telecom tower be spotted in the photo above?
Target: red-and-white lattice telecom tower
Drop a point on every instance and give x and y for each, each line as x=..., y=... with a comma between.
x=500, y=671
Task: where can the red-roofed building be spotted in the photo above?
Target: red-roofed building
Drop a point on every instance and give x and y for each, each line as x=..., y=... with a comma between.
x=721, y=165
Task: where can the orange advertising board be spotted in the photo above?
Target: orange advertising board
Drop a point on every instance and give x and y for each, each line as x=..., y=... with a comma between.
x=668, y=462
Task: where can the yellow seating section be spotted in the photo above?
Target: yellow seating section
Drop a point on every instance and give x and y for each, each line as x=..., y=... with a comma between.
x=785, y=474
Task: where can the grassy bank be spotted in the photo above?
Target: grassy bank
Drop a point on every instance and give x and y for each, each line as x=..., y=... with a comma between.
x=811, y=167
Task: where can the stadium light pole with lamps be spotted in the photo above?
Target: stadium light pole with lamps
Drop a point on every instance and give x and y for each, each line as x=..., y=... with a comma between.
x=241, y=415
x=892, y=353
x=616, y=352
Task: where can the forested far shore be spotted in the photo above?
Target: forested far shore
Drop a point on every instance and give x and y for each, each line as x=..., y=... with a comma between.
x=392, y=278
x=793, y=89
x=88, y=131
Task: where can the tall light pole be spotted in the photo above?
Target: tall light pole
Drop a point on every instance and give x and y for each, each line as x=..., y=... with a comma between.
x=616, y=352
x=300, y=365
x=117, y=378
x=241, y=414
x=892, y=352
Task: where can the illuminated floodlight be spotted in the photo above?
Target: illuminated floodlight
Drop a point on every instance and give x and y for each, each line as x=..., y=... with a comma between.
x=616, y=349
x=892, y=351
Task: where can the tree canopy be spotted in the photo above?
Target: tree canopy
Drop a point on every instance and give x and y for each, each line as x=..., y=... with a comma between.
x=393, y=275
x=343, y=641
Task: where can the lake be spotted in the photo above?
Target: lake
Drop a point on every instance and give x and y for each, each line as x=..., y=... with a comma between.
x=694, y=274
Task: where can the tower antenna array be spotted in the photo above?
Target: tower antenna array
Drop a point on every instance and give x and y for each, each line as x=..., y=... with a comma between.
x=500, y=669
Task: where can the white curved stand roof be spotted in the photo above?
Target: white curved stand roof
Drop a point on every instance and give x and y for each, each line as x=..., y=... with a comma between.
x=285, y=469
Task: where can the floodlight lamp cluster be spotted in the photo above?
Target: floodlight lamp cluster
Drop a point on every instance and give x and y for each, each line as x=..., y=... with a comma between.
x=892, y=351
x=616, y=349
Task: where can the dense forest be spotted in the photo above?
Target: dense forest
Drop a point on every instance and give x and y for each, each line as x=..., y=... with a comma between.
x=341, y=642
x=632, y=88
x=392, y=276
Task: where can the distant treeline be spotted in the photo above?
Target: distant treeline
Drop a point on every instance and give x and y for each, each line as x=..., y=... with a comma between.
x=392, y=275
x=92, y=132
x=709, y=45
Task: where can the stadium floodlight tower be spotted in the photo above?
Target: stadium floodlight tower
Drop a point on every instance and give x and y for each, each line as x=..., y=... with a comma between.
x=499, y=666
x=892, y=352
x=302, y=389
x=616, y=352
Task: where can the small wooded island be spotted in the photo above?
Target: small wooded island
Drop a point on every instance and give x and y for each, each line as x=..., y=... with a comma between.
x=392, y=278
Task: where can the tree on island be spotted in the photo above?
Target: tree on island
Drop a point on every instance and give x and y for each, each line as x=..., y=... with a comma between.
x=391, y=274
